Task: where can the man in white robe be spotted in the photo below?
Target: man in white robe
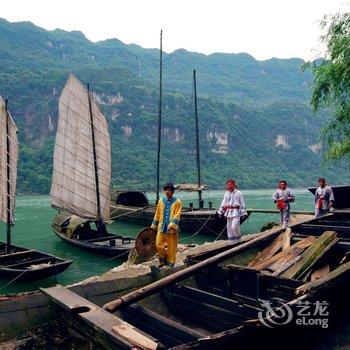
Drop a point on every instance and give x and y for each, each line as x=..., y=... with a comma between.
x=324, y=198
x=232, y=207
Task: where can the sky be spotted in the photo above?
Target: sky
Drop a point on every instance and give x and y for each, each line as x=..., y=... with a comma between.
x=262, y=28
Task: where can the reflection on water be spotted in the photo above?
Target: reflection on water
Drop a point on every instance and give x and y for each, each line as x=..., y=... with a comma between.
x=33, y=221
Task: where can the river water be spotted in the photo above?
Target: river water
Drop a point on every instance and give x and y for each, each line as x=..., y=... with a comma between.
x=33, y=221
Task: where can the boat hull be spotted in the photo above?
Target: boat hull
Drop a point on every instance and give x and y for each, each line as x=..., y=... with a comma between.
x=29, y=265
x=201, y=221
x=228, y=301
x=227, y=296
x=120, y=249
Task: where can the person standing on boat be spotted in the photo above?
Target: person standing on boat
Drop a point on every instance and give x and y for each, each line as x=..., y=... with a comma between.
x=324, y=198
x=282, y=197
x=166, y=223
x=232, y=207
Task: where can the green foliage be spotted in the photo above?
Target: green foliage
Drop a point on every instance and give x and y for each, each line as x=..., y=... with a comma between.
x=331, y=84
x=246, y=102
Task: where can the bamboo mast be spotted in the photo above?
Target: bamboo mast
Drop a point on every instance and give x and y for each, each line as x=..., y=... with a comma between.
x=200, y=201
x=159, y=112
x=8, y=197
x=100, y=224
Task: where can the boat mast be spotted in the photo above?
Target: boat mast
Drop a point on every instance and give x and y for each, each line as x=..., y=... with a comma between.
x=200, y=201
x=159, y=112
x=100, y=224
x=8, y=197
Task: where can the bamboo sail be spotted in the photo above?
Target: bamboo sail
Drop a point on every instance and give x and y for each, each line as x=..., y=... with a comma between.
x=8, y=164
x=74, y=186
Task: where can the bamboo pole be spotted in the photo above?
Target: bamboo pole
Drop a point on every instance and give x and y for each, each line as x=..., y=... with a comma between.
x=274, y=211
x=159, y=113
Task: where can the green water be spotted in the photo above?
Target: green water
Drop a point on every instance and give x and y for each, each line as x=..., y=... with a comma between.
x=34, y=215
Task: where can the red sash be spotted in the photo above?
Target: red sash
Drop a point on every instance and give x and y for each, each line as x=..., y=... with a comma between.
x=320, y=203
x=281, y=204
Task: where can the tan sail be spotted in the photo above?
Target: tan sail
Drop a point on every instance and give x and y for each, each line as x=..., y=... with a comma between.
x=73, y=185
x=5, y=117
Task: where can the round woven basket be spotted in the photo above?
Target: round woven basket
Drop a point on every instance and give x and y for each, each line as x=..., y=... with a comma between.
x=145, y=243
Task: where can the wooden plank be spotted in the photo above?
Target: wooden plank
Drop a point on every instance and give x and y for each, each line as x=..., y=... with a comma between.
x=150, y=319
x=343, y=269
x=292, y=255
x=321, y=260
x=273, y=286
x=101, y=239
x=31, y=262
x=320, y=272
x=212, y=319
x=335, y=222
x=243, y=311
x=287, y=235
x=128, y=332
x=268, y=252
x=22, y=253
x=210, y=251
x=285, y=266
x=93, y=320
x=317, y=230
x=310, y=255
x=242, y=280
x=325, y=227
x=293, y=250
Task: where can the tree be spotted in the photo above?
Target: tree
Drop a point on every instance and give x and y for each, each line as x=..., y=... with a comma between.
x=331, y=84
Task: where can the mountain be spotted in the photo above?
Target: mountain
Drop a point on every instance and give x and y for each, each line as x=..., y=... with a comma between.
x=255, y=123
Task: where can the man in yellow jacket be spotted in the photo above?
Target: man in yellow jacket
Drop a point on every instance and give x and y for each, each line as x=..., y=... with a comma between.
x=166, y=223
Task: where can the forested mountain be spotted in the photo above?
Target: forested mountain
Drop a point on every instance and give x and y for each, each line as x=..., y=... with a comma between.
x=255, y=123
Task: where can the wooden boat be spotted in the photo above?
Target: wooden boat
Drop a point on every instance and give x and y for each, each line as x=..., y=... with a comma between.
x=78, y=232
x=18, y=263
x=217, y=302
x=134, y=207
x=222, y=299
x=27, y=313
x=82, y=174
x=27, y=265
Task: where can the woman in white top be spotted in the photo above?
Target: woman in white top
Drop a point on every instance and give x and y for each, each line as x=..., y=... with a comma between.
x=232, y=207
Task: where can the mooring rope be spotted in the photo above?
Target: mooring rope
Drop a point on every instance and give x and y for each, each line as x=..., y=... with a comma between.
x=7, y=284
x=220, y=233
x=127, y=213
x=117, y=256
x=197, y=232
x=212, y=231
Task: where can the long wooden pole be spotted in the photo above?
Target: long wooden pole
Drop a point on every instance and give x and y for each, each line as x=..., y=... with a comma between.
x=159, y=111
x=8, y=197
x=100, y=225
x=275, y=211
x=181, y=275
x=200, y=203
